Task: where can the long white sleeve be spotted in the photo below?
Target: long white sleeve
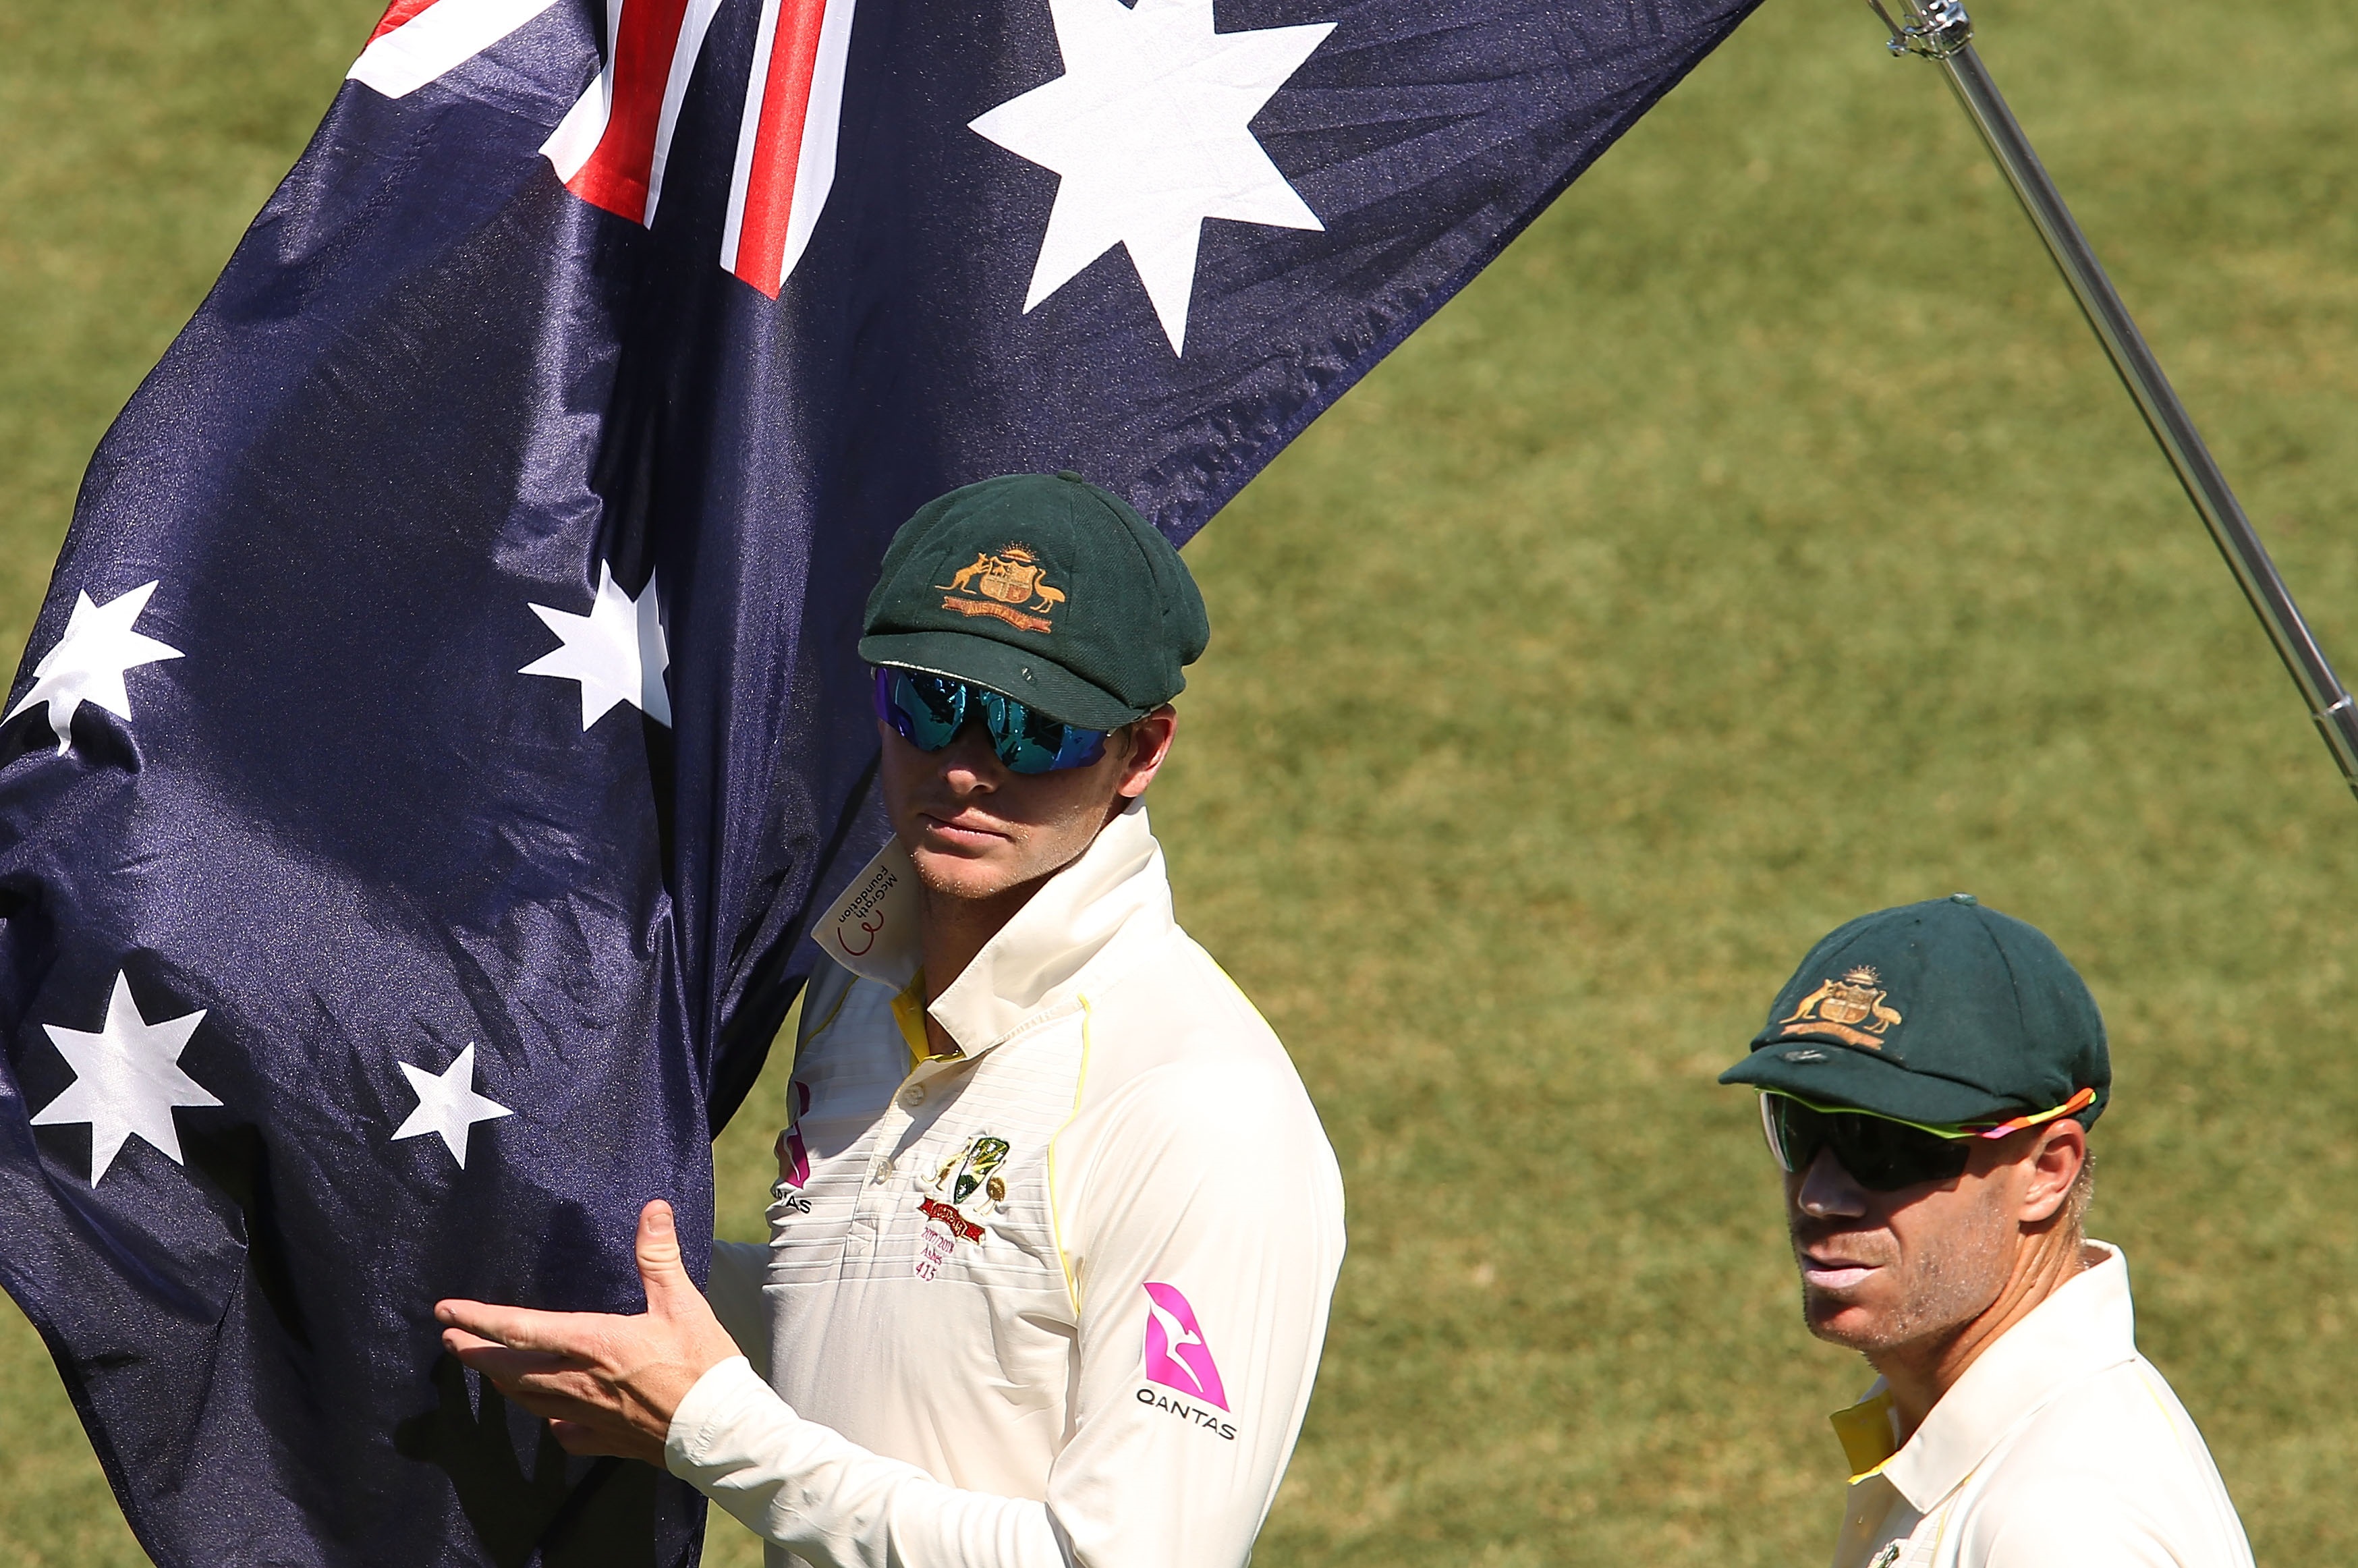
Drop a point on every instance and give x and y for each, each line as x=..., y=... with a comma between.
x=807, y=1488
x=1205, y=1247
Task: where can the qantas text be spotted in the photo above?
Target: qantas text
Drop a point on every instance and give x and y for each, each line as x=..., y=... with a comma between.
x=1186, y=1412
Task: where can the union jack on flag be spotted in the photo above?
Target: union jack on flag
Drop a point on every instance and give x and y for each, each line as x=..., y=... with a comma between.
x=444, y=714
x=611, y=147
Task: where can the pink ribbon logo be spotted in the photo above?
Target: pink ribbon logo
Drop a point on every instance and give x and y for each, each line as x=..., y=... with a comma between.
x=1176, y=1356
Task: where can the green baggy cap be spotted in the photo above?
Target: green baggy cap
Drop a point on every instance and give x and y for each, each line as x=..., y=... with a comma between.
x=1043, y=586
x=1938, y=1013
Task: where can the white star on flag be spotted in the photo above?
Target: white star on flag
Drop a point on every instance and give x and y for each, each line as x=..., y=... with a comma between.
x=617, y=651
x=1149, y=128
x=88, y=663
x=127, y=1080
x=447, y=1104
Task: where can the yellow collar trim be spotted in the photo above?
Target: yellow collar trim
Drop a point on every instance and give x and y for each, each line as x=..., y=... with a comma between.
x=1868, y=1440
x=909, y=1012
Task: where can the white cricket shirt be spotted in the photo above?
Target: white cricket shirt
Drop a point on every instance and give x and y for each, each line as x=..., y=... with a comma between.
x=1055, y=1300
x=2061, y=1447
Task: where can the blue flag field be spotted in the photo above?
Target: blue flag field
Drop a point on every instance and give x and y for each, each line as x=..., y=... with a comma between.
x=444, y=714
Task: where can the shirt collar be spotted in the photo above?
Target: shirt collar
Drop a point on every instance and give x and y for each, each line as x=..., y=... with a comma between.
x=2086, y=1325
x=1869, y=1433
x=1113, y=895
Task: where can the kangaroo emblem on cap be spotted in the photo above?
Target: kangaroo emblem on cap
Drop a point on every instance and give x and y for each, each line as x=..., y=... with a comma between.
x=1007, y=587
x=1836, y=1006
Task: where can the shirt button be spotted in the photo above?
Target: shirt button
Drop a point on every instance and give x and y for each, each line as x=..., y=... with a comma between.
x=914, y=1096
x=881, y=1172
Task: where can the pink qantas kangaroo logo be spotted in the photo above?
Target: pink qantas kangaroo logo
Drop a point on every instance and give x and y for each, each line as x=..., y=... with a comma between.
x=1176, y=1356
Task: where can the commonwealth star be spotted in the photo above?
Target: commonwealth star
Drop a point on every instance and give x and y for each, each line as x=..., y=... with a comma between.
x=617, y=651
x=88, y=663
x=1150, y=127
x=127, y=1080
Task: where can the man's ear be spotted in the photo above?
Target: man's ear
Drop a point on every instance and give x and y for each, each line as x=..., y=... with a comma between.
x=2054, y=1162
x=1149, y=743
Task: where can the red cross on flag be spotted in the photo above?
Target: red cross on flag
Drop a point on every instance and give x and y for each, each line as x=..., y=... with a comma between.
x=611, y=147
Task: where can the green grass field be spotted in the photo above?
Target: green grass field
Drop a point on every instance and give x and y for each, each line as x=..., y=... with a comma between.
x=1762, y=540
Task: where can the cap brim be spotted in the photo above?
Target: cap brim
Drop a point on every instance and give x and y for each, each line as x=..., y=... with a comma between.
x=1046, y=687
x=1835, y=1074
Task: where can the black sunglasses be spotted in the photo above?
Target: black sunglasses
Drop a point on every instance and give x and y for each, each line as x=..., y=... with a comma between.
x=1881, y=1155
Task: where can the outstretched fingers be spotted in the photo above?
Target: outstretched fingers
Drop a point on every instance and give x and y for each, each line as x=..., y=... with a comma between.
x=514, y=1368
x=608, y=1383
x=573, y=1333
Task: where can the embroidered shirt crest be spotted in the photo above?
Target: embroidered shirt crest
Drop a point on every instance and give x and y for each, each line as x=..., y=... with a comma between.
x=964, y=1191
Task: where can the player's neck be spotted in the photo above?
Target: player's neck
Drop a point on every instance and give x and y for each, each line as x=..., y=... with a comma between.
x=951, y=931
x=1920, y=1372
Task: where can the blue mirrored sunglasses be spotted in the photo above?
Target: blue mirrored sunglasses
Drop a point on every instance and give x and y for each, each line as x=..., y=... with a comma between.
x=928, y=710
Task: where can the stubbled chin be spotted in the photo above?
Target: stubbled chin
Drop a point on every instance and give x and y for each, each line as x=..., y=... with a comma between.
x=1836, y=1321
x=962, y=876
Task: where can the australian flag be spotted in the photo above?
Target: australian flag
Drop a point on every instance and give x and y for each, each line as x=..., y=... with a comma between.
x=444, y=711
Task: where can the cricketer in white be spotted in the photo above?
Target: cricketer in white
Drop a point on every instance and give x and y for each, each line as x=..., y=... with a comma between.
x=1073, y=1281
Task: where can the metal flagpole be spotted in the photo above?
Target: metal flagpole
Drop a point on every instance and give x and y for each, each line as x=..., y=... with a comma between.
x=1942, y=32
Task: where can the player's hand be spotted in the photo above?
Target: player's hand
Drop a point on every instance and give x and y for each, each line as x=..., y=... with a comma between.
x=608, y=1384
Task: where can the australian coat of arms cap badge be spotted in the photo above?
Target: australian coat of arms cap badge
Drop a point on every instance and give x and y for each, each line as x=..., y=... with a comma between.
x=1851, y=1010
x=1008, y=585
